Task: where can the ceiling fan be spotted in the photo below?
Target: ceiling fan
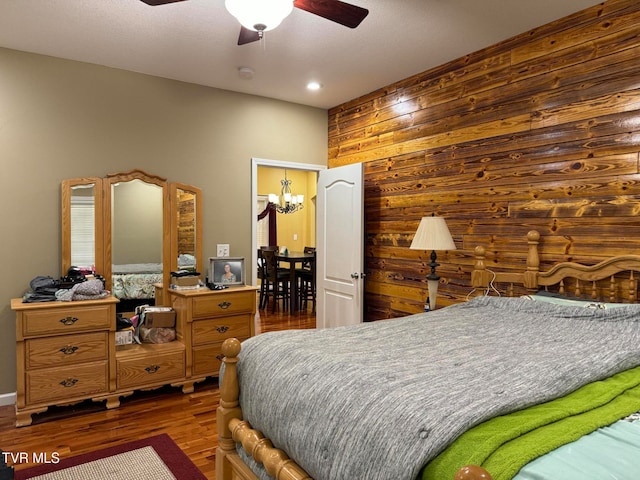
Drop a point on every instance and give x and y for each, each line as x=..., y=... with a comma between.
x=253, y=25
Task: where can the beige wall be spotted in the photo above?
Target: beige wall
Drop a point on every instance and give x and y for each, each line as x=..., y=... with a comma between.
x=63, y=119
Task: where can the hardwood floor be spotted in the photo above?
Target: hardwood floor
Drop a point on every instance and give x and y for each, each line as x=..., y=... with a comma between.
x=189, y=419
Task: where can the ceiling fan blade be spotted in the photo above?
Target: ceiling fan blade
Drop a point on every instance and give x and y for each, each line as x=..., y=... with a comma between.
x=334, y=10
x=155, y=3
x=247, y=36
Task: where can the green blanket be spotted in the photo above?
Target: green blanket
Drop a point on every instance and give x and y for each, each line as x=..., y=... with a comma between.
x=506, y=443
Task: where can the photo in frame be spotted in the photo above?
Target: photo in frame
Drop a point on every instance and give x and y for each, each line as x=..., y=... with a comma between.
x=226, y=271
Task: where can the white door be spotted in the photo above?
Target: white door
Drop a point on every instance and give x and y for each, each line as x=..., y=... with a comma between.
x=340, y=227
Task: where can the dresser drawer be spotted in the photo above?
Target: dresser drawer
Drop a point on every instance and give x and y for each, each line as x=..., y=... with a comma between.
x=227, y=303
x=207, y=358
x=66, y=349
x=63, y=320
x=136, y=372
x=66, y=383
x=218, y=329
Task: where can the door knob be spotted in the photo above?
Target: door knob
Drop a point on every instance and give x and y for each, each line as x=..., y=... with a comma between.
x=355, y=275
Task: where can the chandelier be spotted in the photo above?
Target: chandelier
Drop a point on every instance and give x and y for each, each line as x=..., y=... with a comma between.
x=259, y=15
x=286, y=202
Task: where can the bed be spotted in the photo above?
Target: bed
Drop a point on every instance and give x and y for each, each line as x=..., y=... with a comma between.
x=135, y=281
x=501, y=382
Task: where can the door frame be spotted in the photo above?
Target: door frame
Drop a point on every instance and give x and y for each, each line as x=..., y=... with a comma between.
x=264, y=162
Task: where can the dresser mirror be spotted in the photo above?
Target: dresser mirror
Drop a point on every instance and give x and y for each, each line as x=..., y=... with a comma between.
x=82, y=231
x=132, y=228
x=186, y=237
x=136, y=235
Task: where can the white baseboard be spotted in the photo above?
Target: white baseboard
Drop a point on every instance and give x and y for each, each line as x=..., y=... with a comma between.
x=7, y=399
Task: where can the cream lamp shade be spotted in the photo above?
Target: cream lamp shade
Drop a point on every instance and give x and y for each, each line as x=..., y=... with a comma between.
x=432, y=234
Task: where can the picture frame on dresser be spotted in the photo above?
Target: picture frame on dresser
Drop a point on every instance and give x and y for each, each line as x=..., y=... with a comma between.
x=226, y=271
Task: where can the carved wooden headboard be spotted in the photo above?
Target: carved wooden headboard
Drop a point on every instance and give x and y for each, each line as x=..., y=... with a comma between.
x=602, y=281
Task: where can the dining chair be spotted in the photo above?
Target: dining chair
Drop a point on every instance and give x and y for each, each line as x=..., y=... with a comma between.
x=306, y=282
x=278, y=281
x=264, y=281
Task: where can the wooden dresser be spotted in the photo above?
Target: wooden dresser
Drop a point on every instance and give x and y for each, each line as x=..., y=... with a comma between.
x=209, y=318
x=64, y=353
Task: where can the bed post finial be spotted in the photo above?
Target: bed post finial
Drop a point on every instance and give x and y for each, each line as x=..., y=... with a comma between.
x=472, y=472
x=479, y=274
x=530, y=279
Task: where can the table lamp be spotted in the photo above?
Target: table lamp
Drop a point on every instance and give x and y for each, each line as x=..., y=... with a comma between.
x=432, y=234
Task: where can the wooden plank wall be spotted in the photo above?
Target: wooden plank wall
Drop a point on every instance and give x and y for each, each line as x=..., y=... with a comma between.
x=541, y=131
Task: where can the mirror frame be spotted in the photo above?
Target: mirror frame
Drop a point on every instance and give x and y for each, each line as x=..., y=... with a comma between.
x=109, y=181
x=66, y=190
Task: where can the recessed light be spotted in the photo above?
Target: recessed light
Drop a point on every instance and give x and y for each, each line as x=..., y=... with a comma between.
x=314, y=86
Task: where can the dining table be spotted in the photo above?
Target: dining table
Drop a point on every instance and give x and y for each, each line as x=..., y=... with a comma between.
x=294, y=259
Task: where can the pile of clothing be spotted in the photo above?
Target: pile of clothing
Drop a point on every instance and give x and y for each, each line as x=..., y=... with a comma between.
x=47, y=289
x=87, y=290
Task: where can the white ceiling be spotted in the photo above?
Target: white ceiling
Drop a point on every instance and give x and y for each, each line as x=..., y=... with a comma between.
x=196, y=41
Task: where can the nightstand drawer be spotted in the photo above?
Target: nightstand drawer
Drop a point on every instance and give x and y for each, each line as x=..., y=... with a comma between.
x=65, y=383
x=219, y=329
x=227, y=303
x=56, y=321
x=66, y=349
x=136, y=372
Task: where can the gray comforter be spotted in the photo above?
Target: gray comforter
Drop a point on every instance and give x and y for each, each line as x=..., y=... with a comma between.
x=379, y=400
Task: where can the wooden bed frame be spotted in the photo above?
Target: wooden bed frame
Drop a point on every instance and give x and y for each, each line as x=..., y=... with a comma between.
x=587, y=277
x=232, y=429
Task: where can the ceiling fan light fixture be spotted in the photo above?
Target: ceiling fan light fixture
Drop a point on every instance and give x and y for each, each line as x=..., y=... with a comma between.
x=259, y=15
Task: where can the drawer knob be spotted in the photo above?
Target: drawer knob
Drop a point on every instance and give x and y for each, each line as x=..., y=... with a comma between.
x=69, y=382
x=152, y=368
x=68, y=320
x=222, y=329
x=68, y=350
x=224, y=305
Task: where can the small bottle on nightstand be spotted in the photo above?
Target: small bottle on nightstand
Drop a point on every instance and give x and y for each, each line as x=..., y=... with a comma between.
x=427, y=306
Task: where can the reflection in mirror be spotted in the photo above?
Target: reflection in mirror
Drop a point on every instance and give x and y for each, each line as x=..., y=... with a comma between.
x=83, y=232
x=186, y=223
x=82, y=227
x=186, y=230
x=143, y=228
x=136, y=223
x=136, y=239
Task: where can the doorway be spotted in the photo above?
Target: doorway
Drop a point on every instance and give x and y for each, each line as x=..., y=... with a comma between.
x=281, y=165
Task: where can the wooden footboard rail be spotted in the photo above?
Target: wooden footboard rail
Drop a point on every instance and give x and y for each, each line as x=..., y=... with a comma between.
x=232, y=429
